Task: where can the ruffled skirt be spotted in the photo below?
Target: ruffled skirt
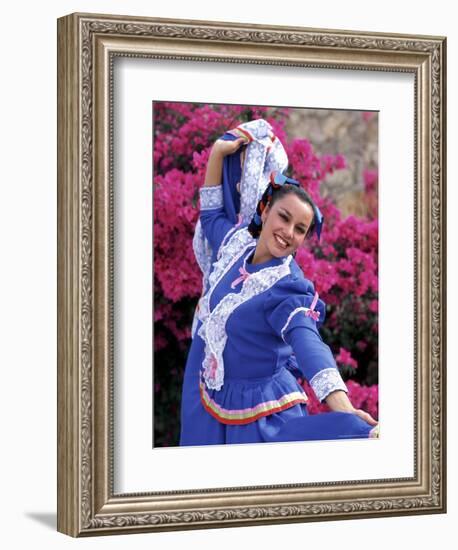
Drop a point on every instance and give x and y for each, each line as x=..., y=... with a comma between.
x=272, y=409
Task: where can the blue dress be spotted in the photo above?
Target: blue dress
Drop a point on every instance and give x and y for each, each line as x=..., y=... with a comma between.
x=256, y=327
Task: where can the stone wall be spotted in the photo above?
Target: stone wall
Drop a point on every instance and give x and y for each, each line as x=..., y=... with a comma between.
x=353, y=134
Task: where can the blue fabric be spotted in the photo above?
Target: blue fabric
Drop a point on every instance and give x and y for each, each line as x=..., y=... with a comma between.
x=215, y=226
x=311, y=354
x=232, y=174
x=218, y=222
x=331, y=425
x=258, y=366
x=197, y=426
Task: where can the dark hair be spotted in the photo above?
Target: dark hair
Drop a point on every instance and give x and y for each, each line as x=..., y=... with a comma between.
x=270, y=198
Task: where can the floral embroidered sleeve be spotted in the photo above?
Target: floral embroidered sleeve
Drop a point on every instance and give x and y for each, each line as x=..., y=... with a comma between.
x=295, y=312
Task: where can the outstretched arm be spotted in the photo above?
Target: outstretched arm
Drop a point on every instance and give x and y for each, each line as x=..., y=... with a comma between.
x=319, y=366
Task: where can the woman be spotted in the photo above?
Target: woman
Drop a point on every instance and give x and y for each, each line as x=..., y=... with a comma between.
x=258, y=308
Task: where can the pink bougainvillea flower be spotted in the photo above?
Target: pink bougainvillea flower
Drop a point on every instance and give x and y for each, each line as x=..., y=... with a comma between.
x=344, y=358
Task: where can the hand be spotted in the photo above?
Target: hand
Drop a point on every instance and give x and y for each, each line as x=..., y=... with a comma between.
x=365, y=416
x=220, y=149
x=224, y=148
x=338, y=401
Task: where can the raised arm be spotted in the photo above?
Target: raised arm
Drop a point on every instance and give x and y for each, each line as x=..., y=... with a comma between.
x=213, y=218
x=220, y=149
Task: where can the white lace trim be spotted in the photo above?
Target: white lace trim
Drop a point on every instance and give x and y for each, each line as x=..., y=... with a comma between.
x=226, y=238
x=258, y=129
x=202, y=252
x=213, y=328
x=253, y=182
x=327, y=381
x=229, y=254
x=262, y=157
x=291, y=315
x=277, y=159
x=211, y=197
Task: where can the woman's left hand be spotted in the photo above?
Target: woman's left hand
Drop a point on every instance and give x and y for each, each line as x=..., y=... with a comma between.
x=365, y=416
x=338, y=401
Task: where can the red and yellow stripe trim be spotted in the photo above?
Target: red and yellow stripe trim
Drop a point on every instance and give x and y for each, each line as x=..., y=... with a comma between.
x=245, y=416
x=241, y=132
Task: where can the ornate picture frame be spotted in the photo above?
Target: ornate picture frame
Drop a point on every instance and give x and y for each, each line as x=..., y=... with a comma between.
x=88, y=44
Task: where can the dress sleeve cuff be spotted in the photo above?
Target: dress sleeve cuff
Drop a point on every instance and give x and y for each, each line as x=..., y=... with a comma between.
x=211, y=197
x=327, y=381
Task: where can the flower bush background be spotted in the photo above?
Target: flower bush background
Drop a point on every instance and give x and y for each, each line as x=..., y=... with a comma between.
x=343, y=265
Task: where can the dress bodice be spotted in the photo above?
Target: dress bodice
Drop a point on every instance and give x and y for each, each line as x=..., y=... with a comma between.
x=245, y=316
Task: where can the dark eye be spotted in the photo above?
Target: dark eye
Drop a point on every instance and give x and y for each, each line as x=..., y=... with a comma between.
x=301, y=230
x=283, y=217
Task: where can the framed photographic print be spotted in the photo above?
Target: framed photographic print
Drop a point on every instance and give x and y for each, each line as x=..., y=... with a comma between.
x=164, y=128
x=344, y=187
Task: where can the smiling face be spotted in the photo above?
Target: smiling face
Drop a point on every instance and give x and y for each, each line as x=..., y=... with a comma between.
x=284, y=227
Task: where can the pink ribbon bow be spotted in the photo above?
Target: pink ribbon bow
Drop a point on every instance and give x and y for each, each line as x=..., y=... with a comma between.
x=213, y=367
x=315, y=315
x=243, y=275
